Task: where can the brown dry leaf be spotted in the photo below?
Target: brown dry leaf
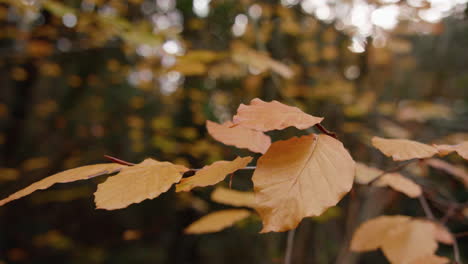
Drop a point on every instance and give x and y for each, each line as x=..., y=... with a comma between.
x=403, y=149
x=146, y=180
x=399, y=183
x=371, y=234
x=461, y=149
x=410, y=241
x=267, y=116
x=402, y=239
x=80, y=173
x=458, y=172
x=212, y=174
x=239, y=136
x=217, y=221
x=300, y=177
x=233, y=197
x=365, y=174
x=431, y=259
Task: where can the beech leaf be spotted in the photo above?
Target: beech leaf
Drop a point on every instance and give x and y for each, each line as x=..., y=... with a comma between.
x=217, y=221
x=233, y=197
x=401, y=238
x=267, y=116
x=399, y=183
x=461, y=149
x=212, y=174
x=300, y=177
x=403, y=149
x=410, y=241
x=371, y=234
x=239, y=136
x=76, y=174
x=146, y=180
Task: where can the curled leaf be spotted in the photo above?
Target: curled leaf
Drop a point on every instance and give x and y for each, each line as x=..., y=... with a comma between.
x=217, y=221
x=80, y=173
x=146, y=180
x=239, y=136
x=399, y=183
x=233, y=197
x=212, y=174
x=267, y=116
x=300, y=177
x=403, y=149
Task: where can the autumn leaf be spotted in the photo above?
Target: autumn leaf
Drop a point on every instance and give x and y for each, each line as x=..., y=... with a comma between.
x=146, y=180
x=76, y=174
x=402, y=239
x=366, y=174
x=410, y=241
x=212, y=174
x=300, y=177
x=267, y=116
x=370, y=234
x=217, y=221
x=461, y=149
x=233, y=197
x=399, y=183
x=458, y=172
x=403, y=149
x=239, y=136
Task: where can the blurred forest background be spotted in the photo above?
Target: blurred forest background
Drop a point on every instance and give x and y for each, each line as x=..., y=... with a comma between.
x=133, y=79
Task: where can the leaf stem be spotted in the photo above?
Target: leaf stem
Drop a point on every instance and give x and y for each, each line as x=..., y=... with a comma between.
x=119, y=161
x=326, y=131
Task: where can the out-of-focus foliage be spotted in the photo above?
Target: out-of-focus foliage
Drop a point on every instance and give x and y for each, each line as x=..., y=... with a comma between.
x=138, y=78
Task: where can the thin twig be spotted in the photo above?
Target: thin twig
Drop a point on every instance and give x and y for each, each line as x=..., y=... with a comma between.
x=462, y=234
x=456, y=251
x=426, y=208
x=395, y=169
x=289, y=247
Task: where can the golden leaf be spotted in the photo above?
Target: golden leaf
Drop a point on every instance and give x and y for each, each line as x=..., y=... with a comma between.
x=217, y=221
x=409, y=242
x=212, y=174
x=399, y=183
x=461, y=149
x=371, y=234
x=80, y=173
x=266, y=116
x=402, y=239
x=233, y=197
x=403, y=149
x=146, y=180
x=300, y=177
x=239, y=136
